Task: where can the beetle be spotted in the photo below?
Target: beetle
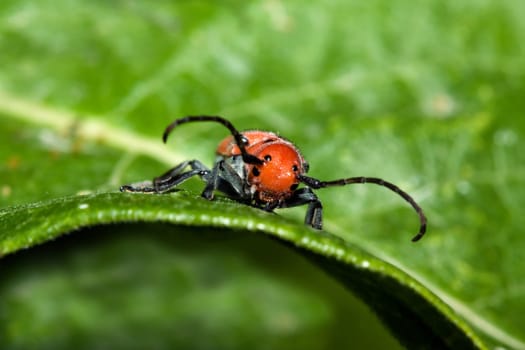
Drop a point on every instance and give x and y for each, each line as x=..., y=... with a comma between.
x=260, y=169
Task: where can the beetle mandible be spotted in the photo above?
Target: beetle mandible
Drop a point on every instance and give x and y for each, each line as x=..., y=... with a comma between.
x=261, y=169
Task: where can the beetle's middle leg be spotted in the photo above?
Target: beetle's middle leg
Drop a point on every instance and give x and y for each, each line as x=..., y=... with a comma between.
x=170, y=179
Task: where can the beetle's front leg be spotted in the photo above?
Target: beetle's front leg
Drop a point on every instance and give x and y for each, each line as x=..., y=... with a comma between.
x=314, y=213
x=224, y=178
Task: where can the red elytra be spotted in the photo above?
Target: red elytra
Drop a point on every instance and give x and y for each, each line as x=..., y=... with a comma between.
x=261, y=169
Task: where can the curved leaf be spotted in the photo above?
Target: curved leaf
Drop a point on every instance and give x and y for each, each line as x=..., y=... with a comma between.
x=418, y=317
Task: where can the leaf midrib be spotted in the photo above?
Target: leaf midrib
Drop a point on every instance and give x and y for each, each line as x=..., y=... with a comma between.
x=91, y=128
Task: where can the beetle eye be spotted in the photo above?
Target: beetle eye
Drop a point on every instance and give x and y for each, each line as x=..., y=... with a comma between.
x=295, y=167
x=244, y=140
x=256, y=171
x=267, y=157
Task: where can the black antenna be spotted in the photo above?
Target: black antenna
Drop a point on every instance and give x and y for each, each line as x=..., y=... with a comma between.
x=316, y=184
x=240, y=140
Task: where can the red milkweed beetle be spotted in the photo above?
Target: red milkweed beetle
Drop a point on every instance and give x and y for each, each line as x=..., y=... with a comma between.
x=261, y=169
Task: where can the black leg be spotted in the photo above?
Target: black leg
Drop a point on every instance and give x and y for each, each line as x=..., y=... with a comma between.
x=223, y=177
x=170, y=179
x=175, y=176
x=211, y=184
x=314, y=213
x=142, y=187
x=194, y=164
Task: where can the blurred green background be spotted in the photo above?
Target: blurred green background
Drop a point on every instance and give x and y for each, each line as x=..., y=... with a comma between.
x=428, y=95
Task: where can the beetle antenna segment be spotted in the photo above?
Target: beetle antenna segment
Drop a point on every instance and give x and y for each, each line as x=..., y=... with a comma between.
x=316, y=184
x=240, y=140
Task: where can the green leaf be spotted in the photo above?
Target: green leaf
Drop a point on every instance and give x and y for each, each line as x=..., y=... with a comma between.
x=426, y=95
x=413, y=312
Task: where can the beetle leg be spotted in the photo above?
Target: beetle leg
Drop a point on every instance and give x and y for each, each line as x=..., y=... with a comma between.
x=175, y=176
x=223, y=177
x=194, y=164
x=170, y=179
x=142, y=187
x=211, y=184
x=314, y=213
